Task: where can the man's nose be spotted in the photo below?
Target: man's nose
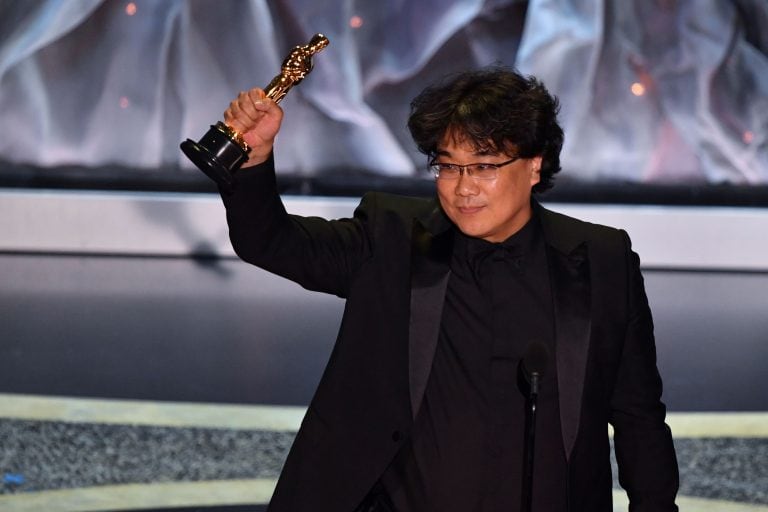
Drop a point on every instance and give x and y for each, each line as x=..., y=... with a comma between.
x=466, y=185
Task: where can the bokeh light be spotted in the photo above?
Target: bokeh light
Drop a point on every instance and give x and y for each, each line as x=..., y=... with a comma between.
x=638, y=89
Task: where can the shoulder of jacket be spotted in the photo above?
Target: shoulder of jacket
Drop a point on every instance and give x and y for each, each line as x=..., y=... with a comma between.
x=569, y=232
x=403, y=206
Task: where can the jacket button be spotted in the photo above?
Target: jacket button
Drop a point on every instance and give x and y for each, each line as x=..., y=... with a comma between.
x=396, y=436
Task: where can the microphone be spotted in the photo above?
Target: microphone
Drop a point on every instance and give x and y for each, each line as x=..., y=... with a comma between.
x=533, y=365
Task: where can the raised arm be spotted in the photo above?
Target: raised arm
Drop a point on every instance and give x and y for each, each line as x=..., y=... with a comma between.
x=318, y=254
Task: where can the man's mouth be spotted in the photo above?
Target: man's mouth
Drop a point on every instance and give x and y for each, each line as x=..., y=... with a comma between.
x=467, y=210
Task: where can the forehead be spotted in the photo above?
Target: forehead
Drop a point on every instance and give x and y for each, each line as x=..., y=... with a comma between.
x=459, y=141
x=454, y=140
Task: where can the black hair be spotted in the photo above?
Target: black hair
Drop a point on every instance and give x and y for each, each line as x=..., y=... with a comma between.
x=494, y=108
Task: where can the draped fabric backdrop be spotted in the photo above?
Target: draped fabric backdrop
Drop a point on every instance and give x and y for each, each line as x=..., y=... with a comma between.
x=654, y=91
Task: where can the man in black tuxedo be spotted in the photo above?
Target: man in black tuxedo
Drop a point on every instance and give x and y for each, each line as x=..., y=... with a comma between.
x=419, y=407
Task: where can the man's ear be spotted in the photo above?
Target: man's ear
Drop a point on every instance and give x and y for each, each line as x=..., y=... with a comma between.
x=535, y=168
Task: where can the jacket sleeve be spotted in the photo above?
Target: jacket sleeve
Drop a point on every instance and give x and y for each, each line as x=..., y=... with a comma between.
x=643, y=442
x=319, y=254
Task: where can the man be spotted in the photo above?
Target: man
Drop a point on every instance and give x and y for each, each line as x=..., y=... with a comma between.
x=419, y=408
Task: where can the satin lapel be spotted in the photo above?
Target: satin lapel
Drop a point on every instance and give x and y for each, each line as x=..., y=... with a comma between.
x=572, y=307
x=430, y=257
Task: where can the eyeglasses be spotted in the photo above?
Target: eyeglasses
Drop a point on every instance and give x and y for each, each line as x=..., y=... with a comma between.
x=480, y=171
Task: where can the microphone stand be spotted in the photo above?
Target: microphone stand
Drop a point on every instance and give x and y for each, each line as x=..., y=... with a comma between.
x=530, y=440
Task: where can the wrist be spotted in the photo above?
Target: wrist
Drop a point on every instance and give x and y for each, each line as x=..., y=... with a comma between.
x=257, y=158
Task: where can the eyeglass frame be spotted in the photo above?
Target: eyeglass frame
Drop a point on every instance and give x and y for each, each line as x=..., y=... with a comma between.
x=434, y=167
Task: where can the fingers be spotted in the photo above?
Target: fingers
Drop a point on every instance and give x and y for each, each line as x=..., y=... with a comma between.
x=247, y=109
x=257, y=119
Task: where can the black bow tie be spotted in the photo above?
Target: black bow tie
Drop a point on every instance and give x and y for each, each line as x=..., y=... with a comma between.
x=482, y=255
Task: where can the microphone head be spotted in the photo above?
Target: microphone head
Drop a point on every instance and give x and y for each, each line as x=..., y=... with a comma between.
x=535, y=360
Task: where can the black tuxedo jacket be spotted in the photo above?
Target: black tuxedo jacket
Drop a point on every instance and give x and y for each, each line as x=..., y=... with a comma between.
x=390, y=263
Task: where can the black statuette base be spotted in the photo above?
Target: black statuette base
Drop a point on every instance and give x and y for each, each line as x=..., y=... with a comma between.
x=217, y=155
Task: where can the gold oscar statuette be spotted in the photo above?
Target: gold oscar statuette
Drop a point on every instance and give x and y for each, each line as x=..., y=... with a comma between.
x=222, y=150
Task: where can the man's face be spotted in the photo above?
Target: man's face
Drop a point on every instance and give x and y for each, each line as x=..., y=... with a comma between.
x=489, y=209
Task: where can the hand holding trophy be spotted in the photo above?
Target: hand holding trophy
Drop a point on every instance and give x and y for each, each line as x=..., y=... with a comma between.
x=222, y=150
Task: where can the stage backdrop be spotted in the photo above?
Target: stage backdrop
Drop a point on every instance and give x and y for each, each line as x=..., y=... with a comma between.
x=657, y=91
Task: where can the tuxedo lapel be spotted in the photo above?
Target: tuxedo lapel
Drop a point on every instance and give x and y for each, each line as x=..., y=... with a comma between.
x=430, y=257
x=571, y=292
